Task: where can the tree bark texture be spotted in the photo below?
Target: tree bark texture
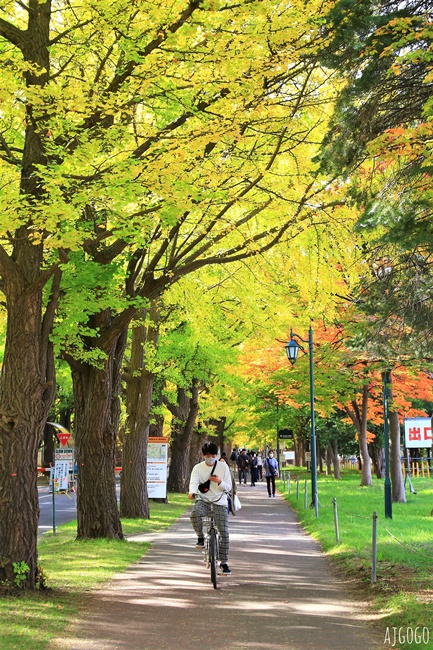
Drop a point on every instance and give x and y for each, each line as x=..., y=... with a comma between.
x=197, y=441
x=375, y=455
x=328, y=460
x=26, y=394
x=336, y=462
x=184, y=417
x=395, y=469
x=97, y=411
x=134, y=501
x=27, y=379
x=359, y=419
x=299, y=444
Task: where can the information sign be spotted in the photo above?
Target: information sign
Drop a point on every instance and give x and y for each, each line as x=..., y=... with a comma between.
x=417, y=432
x=61, y=475
x=66, y=454
x=157, y=455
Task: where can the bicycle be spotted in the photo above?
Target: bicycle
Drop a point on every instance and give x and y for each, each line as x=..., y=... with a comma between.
x=211, y=543
x=211, y=547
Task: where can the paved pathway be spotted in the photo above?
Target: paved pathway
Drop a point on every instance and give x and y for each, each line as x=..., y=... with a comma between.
x=281, y=595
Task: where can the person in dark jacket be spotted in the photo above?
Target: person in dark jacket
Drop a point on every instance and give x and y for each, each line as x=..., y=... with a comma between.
x=242, y=462
x=254, y=471
x=270, y=467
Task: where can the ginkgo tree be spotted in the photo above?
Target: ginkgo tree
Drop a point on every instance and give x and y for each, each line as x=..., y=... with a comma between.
x=380, y=141
x=139, y=142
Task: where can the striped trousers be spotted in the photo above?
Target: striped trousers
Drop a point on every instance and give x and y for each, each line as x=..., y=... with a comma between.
x=202, y=509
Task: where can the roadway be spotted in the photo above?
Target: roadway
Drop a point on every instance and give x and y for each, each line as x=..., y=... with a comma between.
x=65, y=508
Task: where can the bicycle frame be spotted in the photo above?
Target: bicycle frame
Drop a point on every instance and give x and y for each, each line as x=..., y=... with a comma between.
x=211, y=545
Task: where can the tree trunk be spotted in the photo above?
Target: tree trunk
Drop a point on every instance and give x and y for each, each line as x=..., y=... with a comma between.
x=27, y=387
x=197, y=441
x=375, y=458
x=359, y=418
x=134, y=501
x=319, y=455
x=396, y=472
x=27, y=377
x=329, y=456
x=185, y=414
x=48, y=443
x=332, y=457
x=220, y=426
x=97, y=411
x=299, y=444
x=156, y=427
x=336, y=461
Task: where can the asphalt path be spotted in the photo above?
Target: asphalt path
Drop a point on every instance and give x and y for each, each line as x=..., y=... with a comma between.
x=282, y=594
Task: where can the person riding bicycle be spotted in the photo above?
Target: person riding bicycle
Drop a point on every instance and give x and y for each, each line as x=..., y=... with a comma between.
x=220, y=483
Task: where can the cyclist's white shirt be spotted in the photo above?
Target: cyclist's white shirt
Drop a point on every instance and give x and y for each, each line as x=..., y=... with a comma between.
x=201, y=474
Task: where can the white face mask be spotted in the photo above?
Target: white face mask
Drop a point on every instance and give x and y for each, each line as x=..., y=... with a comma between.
x=271, y=455
x=210, y=461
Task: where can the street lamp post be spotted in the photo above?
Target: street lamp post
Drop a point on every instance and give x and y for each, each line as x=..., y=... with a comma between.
x=278, y=438
x=292, y=349
x=388, y=493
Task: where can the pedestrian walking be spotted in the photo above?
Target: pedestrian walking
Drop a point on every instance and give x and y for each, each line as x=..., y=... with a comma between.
x=242, y=462
x=254, y=472
x=260, y=467
x=271, y=471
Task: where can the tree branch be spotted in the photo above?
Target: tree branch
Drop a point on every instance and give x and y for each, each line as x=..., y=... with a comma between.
x=13, y=34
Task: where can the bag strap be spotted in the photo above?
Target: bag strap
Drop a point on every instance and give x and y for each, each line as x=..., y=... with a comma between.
x=213, y=468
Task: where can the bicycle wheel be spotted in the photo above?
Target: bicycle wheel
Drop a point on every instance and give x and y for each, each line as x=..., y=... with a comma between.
x=213, y=556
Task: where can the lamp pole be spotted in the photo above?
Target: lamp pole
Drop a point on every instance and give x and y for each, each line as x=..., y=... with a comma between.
x=292, y=349
x=388, y=494
x=278, y=439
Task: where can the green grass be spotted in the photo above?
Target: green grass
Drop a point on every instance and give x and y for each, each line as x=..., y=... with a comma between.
x=403, y=593
x=73, y=569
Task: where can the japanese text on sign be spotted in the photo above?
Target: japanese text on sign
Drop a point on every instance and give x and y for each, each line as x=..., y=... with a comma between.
x=417, y=432
x=157, y=468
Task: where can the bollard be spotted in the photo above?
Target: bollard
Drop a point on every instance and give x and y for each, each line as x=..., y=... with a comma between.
x=337, y=532
x=284, y=479
x=297, y=487
x=305, y=495
x=374, y=563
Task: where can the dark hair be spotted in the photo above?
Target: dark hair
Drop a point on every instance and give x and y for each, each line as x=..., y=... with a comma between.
x=209, y=448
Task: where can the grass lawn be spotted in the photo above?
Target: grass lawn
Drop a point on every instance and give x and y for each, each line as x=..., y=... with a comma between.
x=29, y=621
x=403, y=593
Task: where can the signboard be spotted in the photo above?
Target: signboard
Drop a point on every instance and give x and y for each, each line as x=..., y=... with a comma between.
x=65, y=455
x=61, y=475
x=417, y=432
x=289, y=455
x=63, y=437
x=285, y=434
x=157, y=454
